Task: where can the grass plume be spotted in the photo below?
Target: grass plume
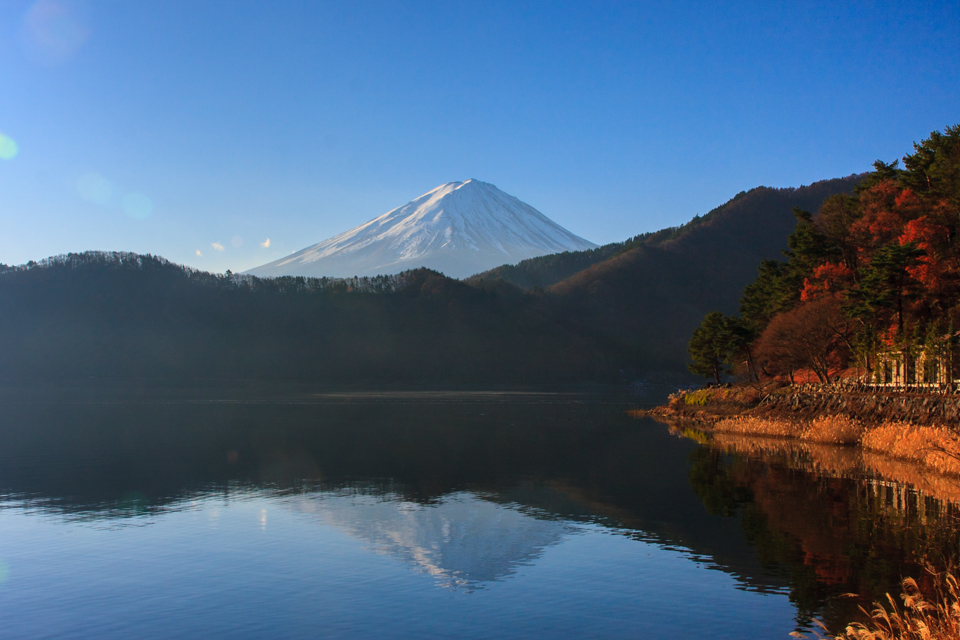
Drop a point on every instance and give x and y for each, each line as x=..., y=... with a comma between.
x=931, y=616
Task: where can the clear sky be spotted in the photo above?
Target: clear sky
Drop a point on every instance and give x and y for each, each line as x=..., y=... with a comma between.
x=197, y=130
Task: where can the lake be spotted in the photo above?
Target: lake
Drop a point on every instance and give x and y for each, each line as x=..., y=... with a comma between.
x=290, y=512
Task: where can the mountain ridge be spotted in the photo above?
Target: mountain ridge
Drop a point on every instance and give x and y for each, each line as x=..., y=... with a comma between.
x=457, y=228
x=131, y=316
x=545, y=271
x=647, y=300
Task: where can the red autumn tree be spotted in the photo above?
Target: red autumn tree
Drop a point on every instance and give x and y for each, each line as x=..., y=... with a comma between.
x=815, y=335
x=827, y=279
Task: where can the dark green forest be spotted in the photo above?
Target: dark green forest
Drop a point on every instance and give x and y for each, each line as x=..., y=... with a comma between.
x=119, y=315
x=621, y=311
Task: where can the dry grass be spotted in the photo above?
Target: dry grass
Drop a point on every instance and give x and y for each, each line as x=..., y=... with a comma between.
x=933, y=616
x=825, y=429
x=756, y=426
x=736, y=395
x=934, y=447
x=834, y=430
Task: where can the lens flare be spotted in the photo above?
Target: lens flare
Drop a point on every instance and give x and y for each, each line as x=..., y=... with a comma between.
x=94, y=188
x=54, y=30
x=137, y=205
x=8, y=148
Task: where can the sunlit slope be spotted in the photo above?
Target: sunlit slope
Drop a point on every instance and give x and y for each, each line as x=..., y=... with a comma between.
x=648, y=299
x=459, y=228
x=545, y=271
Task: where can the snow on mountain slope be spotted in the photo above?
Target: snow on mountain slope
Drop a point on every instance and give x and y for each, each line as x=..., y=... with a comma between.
x=459, y=228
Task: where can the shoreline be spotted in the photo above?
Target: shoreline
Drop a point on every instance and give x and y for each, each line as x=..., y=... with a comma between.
x=920, y=428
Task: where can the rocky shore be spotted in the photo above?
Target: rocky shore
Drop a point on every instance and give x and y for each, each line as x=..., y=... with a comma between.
x=921, y=428
x=806, y=402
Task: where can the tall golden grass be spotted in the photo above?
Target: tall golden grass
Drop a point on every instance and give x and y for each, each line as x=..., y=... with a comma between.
x=757, y=426
x=834, y=430
x=934, y=616
x=934, y=447
x=937, y=448
x=827, y=429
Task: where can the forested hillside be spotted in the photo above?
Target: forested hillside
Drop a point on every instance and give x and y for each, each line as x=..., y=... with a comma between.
x=125, y=315
x=645, y=301
x=544, y=271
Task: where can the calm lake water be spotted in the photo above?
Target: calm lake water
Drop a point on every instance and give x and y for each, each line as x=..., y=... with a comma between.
x=292, y=513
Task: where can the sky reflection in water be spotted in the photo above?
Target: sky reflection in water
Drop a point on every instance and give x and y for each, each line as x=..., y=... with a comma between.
x=359, y=566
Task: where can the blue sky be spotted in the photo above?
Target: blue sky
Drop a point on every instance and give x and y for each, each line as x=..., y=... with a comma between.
x=171, y=127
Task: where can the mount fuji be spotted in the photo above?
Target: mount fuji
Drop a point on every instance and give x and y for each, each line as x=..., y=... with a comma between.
x=459, y=228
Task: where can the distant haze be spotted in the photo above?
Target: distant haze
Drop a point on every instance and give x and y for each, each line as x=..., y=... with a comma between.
x=458, y=228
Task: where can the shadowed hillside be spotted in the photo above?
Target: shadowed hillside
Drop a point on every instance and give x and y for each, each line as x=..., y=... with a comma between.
x=545, y=271
x=647, y=300
x=126, y=315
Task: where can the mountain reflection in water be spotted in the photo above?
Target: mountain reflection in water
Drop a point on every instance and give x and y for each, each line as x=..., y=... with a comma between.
x=460, y=539
x=479, y=493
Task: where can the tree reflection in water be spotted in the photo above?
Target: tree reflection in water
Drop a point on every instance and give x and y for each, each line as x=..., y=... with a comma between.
x=832, y=520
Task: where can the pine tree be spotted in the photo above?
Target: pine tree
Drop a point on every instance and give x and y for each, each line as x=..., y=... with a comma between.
x=712, y=346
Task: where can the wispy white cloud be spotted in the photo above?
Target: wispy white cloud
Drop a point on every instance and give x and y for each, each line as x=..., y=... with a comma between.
x=199, y=254
x=216, y=246
x=265, y=244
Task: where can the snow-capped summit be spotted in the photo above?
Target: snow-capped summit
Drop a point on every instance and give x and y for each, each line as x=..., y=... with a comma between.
x=459, y=228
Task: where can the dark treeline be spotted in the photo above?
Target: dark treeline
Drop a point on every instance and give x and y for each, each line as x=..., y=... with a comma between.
x=285, y=284
x=121, y=315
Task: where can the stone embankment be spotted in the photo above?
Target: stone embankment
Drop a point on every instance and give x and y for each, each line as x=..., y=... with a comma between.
x=807, y=402
x=922, y=428
x=868, y=406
